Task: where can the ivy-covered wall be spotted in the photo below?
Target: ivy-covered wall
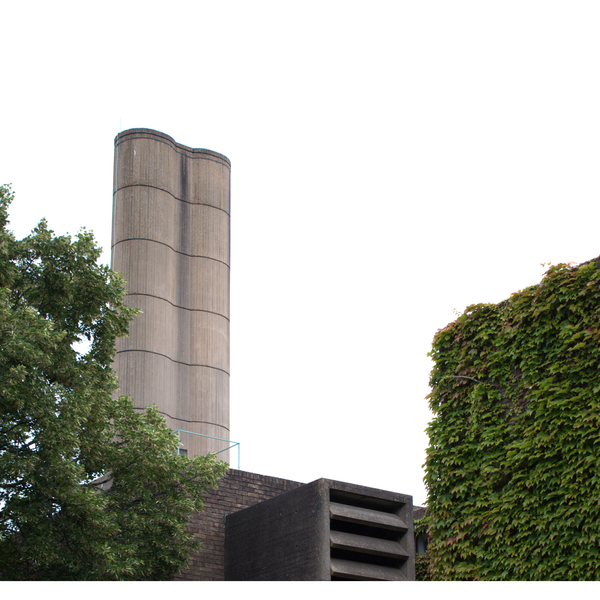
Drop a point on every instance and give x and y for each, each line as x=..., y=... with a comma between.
x=513, y=464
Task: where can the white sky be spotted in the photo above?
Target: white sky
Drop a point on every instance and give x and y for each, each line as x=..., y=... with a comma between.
x=391, y=162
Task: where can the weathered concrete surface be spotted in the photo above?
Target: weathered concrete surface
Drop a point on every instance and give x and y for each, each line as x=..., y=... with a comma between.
x=171, y=241
x=282, y=539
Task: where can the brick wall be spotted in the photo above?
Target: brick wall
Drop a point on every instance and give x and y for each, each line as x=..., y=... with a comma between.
x=238, y=490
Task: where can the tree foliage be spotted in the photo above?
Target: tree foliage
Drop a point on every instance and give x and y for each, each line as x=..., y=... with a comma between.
x=513, y=464
x=89, y=488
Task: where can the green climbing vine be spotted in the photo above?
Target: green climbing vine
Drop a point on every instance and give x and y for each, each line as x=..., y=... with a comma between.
x=422, y=561
x=513, y=463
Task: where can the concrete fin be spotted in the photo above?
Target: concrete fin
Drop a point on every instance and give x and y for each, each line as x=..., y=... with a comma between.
x=366, y=516
x=367, y=545
x=348, y=569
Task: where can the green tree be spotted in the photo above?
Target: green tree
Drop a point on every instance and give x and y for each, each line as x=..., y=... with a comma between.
x=89, y=488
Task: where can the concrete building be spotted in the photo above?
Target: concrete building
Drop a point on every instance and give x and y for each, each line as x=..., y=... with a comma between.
x=322, y=531
x=171, y=241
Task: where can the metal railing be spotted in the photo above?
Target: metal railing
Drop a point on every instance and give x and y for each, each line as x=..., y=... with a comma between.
x=233, y=444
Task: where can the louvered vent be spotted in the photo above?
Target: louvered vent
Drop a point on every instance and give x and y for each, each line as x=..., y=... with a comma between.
x=323, y=531
x=367, y=538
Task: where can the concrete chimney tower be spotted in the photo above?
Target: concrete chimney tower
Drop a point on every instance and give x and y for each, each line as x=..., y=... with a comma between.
x=171, y=241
